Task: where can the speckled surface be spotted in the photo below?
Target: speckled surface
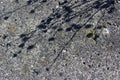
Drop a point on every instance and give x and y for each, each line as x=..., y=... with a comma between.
x=59, y=40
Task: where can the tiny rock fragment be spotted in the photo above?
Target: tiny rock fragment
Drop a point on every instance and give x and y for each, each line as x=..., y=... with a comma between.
x=21, y=45
x=68, y=29
x=32, y=11
x=88, y=26
x=99, y=27
x=4, y=36
x=51, y=39
x=76, y=26
x=62, y=3
x=89, y=35
x=96, y=37
x=22, y=35
x=6, y=17
x=67, y=9
x=44, y=1
x=41, y=26
x=14, y=55
x=29, y=2
x=11, y=29
x=47, y=69
x=36, y=71
x=105, y=31
x=25, y=39
x=59, y=29
x=30, y=47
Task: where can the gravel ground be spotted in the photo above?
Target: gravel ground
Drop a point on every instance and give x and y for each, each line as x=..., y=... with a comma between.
x=59, y=40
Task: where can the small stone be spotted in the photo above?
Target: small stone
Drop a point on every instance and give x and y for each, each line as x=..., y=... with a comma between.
x=105, y=31
x=6, y=17
x=76, y=26
x=67, y=19
x=65, y=79
x=48, y=20
x=29, y=2
x=59, y=29
x=83, y=62
x=44, y=31
x=47, y=69
x=32, y=11
x=64, y=51
x=51, y=39
x=108, y=68
x=21, y=45
x=97, y=4
x=67, y=9
x=17, y=1
x=96, y=37
x=15, y=55
x=4, y=36
x=88, y=26
x=89, y=35
x=44, y=0
x=68, y=29
x=57, y=15
x=55, y=27
x=111, y=10
x=99, y=27
x=36, y=71
x=60, y=74
x=11, y=29
x=22, y=35
x=30, y=47
x=41, y=26
x=24, y=39
x=62, y=3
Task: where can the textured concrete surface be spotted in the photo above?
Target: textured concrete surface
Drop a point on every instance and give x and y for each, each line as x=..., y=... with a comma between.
x=59, y=40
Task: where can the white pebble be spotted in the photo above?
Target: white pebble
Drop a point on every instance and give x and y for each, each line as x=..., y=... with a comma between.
x=105, y=31
x=64, y=51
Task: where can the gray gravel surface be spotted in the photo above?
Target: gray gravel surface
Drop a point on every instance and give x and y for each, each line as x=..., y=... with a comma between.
x=59, y=40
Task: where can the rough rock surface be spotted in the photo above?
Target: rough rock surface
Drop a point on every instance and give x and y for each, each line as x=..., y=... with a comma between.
x=59, y=40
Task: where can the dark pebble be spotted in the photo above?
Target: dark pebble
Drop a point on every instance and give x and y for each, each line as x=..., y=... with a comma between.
x=21, y=45
x=97, y=4
x=29, y=2
x=22, y=35
x=62, y=3
x=44, y=31
x=89, y=35
x=67, y=9
x=36, y=71
x=88, y=26
x=55, y=27
x=47, y=69
x=6, y=17
x=68, y=29
x=96, y=37
x=99, y=27
x=4, y=36
x=24, y=39
x=32, y=11
x=59, y=29
x=15, y=55
x=44, y=1
x=111, y=10
x=76, y=26
x=51, y=39
x=30, y=47
x=41, y=26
